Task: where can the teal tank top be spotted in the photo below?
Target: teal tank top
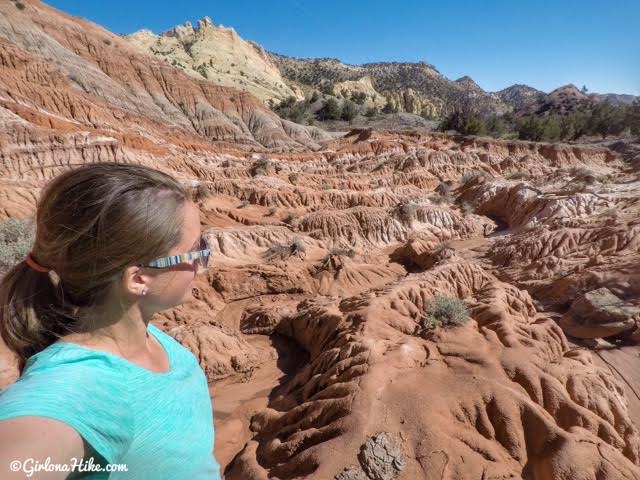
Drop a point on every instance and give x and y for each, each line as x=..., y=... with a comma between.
x=159, y=424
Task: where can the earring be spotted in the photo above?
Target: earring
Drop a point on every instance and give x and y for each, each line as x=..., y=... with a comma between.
x=144, y=292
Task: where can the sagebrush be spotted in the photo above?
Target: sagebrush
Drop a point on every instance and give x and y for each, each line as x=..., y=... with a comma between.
x=16, y=238
x=444, y=311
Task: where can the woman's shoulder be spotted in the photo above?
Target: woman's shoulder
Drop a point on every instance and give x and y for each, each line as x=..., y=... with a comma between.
x=79, y=387
x=73, y=361
x=70, y=372
x=174, y=348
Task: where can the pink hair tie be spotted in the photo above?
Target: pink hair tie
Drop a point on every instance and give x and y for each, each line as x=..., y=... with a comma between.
x=33, y=264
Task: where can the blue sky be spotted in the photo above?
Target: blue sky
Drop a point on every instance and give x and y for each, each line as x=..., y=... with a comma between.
x=544, y=44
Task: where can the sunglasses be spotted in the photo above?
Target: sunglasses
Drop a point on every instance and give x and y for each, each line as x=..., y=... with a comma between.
x=198, y=257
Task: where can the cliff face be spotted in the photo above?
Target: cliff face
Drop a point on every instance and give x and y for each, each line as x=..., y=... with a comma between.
x=217, y=54
x=99, y=94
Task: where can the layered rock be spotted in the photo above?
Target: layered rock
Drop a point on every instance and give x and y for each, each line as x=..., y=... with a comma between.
x=313, y=321
x=217, y=54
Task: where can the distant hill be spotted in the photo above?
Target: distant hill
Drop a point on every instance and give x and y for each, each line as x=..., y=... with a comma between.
x=217, y=54
x=220, y=55
x=413, y=87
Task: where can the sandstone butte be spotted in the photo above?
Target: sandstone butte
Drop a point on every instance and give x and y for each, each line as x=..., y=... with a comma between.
x=327, y=251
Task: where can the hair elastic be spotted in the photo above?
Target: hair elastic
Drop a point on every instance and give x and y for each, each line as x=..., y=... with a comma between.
x=35, y=265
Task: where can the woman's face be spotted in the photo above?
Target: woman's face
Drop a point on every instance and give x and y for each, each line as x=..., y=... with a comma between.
x=172, y=286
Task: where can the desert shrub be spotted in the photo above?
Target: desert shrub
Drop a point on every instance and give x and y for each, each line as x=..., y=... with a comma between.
x=463, y=122
x=444, y=311
x=444, y=188
x=349, y=110
x=19, y=5
x=427, y=114
x=443, y=194
x=330, y=110
x=335, y=253
x=271, y=212
x=583, y=174
x=607, y=119
x=441, y=247
x=406, y=211
x=540, y=129
x=574, y=125
x=474, y=175
x=371, y=112
x=577, y=187
x=16, y=238
x=289, y=218
x=359, y=97
x=296, y=111
x=466, y=208
x=609, y=212
x=389, y=108
x=496, y=126
x=244, y=203
x=342, y=252
x=633, y=117
x=260, y=166
x=283, y=251
x=440, y=199
x=293, y=177
x=325, y=186
x=202, y=191
x=518, y=176
x=326, y=87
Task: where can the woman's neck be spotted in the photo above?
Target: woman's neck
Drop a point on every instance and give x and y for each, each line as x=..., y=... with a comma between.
x=124, y=332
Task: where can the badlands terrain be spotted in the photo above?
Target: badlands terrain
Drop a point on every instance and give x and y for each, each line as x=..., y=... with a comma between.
x=314, y=322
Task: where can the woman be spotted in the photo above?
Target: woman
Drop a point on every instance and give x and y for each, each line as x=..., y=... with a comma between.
x=100, y=385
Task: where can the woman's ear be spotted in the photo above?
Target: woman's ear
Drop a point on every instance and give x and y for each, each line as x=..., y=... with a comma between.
x=134, y=282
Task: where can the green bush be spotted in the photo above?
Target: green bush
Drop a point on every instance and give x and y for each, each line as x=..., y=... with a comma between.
x=540, y=129
x=444, y=311
x=466, y=124
x=359, y=97
x=607, y=119
x=16, y=239
x=371, y=112
x=406, y=211
x=349, y=110
x=633, y=117
x=330, y=110
x=389, y=108
x=290, y=109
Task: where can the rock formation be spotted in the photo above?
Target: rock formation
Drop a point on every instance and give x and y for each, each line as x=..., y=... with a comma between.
x=217, y=54
x=314, y=320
